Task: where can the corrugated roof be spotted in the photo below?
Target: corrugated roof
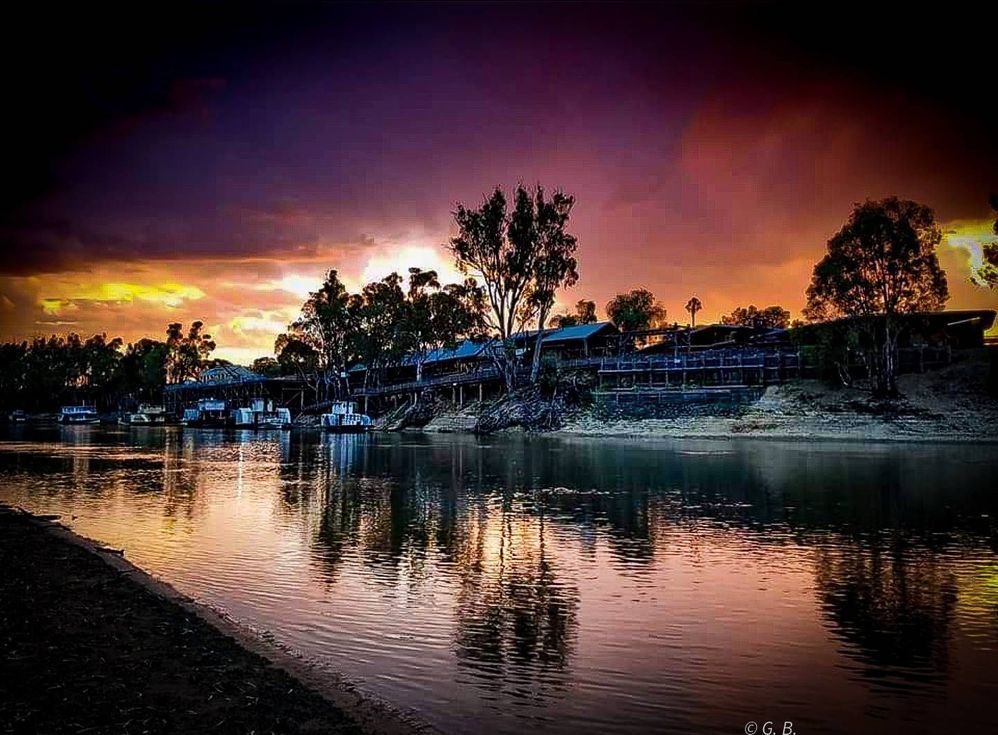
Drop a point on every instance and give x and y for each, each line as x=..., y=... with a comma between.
x=565, y=334
x=463, y=351
x=469, y=349
x=580, y=331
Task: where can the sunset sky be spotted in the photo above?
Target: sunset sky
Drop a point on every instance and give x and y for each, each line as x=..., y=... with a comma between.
x=212, y=161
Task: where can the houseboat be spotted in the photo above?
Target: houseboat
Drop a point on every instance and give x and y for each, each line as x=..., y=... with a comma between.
x=344, y=419
x=146, y=415
x=261, y=414
x=78, y=415
x=209, y=414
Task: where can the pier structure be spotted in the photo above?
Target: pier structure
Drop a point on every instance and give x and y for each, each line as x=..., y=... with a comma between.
x=237, y=386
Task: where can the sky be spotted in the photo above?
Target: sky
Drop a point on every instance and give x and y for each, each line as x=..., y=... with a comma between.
x=211, y=161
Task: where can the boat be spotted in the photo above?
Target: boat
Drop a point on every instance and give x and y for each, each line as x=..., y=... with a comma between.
x=146, y=415
x=279, y=418
x=344, y=419
x=260, y=414
x=209, y=414
x=78, y=415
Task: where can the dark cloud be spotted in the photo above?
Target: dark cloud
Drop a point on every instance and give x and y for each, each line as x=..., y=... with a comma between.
x=702, y=141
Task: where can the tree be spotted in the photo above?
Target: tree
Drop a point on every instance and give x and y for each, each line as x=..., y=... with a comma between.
x=585, y=313
x=143, y=369
x=772, y=317
x=541, y=224
x=266, y=366
x=988, y=272
x=693, y=306
x=380, y=312
x=880, y=266
x=521, y=258
x=637, y=309
x=328, y=325
x=296, y=357
x=187, y=353
x=436, y=318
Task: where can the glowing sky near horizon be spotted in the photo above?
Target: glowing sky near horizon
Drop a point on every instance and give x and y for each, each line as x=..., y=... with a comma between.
x=233, y=168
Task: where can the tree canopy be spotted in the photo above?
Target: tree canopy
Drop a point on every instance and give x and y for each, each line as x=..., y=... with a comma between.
x=187, y=353
x=988, y=272
x=585, y=313
x=522, y=257
x=693, y=306
x=636, y=309
x=770, y=317
x=46, y=372
x=379, y=327
x=882, y=264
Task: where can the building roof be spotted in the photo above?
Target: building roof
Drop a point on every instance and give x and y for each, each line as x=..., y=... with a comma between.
x=228, y=374
x=984, y=317
x=220, y=376
x=463, y=351
x=471, y=349
x=567, y=334
x=466, y=350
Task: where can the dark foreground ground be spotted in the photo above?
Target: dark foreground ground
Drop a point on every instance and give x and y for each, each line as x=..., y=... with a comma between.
x=84, y=649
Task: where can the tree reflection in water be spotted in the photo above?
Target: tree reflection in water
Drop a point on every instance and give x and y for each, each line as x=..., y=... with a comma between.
x=406, y=505
x=892, y=604
x=515, y=620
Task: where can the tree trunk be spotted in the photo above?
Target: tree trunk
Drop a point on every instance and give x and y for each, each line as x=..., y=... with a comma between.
x=506, y=367
x=535, y=367
x=883, y=366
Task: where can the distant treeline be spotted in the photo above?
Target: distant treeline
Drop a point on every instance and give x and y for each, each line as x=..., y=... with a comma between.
x=45, y=373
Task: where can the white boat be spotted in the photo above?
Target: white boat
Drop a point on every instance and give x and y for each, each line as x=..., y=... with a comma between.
x=344, y=419
x=261, y=414
x=146, y=415
x=78, y=415
x=209, y=414
x=279, y=418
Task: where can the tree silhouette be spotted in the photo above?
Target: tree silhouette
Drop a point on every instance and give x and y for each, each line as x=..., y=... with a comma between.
x=880, y=266
x=637, y=309
x=693, y=306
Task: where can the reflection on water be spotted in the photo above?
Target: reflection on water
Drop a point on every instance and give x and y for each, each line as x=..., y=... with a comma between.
x=569, y=585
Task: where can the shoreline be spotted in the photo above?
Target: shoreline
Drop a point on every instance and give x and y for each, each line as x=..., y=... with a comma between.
x=336, y=699
x=637, y=431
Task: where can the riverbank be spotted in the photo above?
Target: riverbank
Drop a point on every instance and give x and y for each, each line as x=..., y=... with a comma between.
x=952, y=405
x=91, y=644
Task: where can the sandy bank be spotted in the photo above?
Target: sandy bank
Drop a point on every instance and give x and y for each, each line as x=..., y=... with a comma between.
x=950, y=405
x=91, y=643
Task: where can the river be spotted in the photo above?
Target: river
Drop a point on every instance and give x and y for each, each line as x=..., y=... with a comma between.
x=569, y=585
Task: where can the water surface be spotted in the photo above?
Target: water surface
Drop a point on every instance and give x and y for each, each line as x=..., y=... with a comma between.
x=570, y=586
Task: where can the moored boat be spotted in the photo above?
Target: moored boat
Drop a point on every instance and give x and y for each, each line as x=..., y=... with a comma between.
x=279, y=418
x=146, y=415
x=343, y=419
x=261, y=414
x=209, y=414
x=78, y=415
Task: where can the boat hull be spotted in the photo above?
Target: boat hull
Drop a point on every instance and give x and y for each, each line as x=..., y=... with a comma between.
x=345, y=429
x=206, y=424
x=79, y=421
